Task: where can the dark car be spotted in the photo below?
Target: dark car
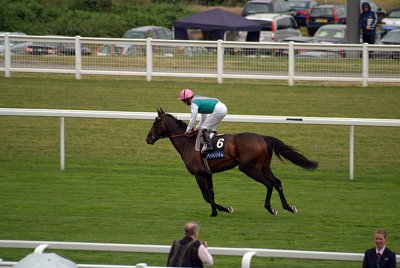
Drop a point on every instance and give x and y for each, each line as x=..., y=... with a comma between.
x=325, y=14
x=154, y=32
x=41, y=49
x=301, y=9
x=266, y=6
x=68, y=49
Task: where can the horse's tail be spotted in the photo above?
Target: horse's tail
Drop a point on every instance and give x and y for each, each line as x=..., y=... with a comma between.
x=282, y=150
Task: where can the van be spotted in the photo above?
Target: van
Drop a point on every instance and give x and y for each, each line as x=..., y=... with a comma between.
x=266, y=6
x=275, y=27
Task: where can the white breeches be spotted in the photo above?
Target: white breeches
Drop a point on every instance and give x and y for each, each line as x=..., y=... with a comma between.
x=212, y=120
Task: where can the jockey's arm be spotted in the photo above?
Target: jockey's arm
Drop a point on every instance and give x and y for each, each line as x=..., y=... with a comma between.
x=193, y=109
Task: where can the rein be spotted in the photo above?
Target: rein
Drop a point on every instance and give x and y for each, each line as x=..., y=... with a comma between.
x=175, y=136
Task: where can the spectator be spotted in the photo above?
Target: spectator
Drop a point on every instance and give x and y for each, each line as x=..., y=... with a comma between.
x=189, y=252
x=379, y=256
x=367, y=23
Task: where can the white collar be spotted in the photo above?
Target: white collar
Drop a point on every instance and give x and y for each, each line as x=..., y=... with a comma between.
x=380, y=251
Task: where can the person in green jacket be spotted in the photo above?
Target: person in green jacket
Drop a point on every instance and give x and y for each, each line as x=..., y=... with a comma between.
x=212, y=112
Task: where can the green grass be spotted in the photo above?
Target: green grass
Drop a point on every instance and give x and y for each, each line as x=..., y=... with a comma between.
x=118, y=189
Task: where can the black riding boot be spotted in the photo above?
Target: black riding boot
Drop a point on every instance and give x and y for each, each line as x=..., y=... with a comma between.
x=207, y=145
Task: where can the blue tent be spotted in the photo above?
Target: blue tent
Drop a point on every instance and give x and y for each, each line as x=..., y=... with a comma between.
x=214, y=23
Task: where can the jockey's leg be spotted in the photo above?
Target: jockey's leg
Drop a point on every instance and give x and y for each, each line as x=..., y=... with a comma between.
x=207, y=145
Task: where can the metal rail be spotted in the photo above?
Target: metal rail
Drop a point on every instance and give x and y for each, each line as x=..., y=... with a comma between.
x=246, y=253
x=351, y=122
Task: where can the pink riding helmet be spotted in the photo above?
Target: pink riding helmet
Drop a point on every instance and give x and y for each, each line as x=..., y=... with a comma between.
x=185, y=94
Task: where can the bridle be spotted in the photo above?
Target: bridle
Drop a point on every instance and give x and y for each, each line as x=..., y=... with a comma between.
x=157, y=137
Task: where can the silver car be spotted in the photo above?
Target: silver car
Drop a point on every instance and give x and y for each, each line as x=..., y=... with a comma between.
x=275, y=27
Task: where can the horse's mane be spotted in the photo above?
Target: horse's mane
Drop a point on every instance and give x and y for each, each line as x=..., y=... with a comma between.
x=180, y=123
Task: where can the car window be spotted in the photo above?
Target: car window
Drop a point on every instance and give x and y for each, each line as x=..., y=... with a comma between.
x=152, y=34
x=265, y=24
x=330, y=33
x=257, y=8
x=394, y=14
x=340, y=11
x=161, y=34
x=284, y=24
x=321, y=12
x=293, y=23
x=135, y=35
x=392, y=37
x=298, y=4
x=279, y=7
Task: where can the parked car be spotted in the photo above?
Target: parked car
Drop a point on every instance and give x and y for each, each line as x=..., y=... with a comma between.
x=301, y=9
x=16, y=47
x=392, y=21
x=39, y=48
x=391, y=38
x=275, y=27
x=118, y=50
x=331, y=33
x=266, y=6
x=68, y=49
x=155, y=32
x=325, y=14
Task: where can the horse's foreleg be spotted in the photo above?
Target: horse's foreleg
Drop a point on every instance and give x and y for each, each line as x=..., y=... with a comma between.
x=206, y=186
x=211, y=188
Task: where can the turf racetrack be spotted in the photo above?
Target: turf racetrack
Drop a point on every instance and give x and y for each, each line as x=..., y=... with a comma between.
x=118, y=189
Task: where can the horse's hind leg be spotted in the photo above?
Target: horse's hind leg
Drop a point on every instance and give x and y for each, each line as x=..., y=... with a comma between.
x=206, y=186
x=267, y=182
x=278, y=187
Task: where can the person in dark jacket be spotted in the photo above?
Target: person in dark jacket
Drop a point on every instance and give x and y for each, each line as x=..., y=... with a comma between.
x=379, y=256
x=367, y=23
x=189, y=252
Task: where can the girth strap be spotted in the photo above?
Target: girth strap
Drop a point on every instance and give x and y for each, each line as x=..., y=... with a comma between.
x=206, y=164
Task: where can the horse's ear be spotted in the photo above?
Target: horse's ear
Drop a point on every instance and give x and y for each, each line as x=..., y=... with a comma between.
x=160, y=111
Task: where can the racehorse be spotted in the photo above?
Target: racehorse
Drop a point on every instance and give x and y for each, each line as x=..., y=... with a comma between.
x=250, y=151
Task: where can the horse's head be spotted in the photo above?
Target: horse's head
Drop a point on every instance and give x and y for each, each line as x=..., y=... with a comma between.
x=158, y=129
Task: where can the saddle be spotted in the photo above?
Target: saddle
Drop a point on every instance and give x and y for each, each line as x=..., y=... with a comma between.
x=217, y=142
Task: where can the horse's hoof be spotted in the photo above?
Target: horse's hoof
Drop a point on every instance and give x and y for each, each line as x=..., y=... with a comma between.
x=230, y=209
x=273, y=211
x=294, y=209
x=214, y=214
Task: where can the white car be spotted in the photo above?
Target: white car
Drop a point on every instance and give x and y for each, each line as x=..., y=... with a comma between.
x=275, y=27
x=17, y=47
x=392, y=21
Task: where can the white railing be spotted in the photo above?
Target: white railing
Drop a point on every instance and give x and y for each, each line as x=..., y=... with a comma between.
x=246, y=253
x=351, y=122
x=208, y=59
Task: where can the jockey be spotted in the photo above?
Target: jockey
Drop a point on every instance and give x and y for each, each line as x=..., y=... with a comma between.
x=212, y=112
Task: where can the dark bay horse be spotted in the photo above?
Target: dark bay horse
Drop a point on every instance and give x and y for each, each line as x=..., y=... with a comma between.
x=251, y=152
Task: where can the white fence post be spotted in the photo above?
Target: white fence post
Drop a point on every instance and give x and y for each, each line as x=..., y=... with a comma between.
x=7, y=55
x=365, y=63
x=149, y=59
x=220, y=62
x=78, y=58
x=246, y=260
x=62, y=143
x=351, y=152
x=291, y=63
